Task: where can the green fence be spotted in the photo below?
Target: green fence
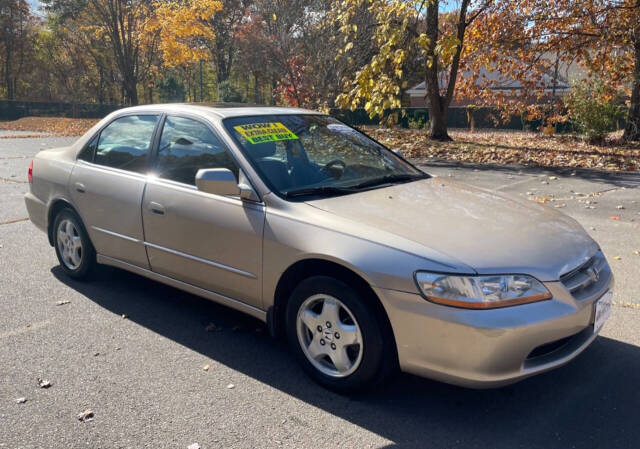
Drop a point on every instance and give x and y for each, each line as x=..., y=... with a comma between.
x=12, y=110
x=457, y=117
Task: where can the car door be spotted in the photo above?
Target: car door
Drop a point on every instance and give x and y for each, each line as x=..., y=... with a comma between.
x=210, y=241
x=107, y=184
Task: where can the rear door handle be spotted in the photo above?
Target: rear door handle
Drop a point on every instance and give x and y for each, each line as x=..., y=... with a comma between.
x=79, y=187
x=156, y=208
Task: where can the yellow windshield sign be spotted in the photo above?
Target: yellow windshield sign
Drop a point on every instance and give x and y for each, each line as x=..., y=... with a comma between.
x=265, y=132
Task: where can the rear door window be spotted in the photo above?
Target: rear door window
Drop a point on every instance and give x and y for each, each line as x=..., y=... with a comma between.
x=125, y=143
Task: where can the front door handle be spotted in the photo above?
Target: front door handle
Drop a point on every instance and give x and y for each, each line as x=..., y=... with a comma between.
x=156, y=208
x=79, y=187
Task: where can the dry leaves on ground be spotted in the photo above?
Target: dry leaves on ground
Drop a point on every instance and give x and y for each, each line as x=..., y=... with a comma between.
x=57, y=126
x=511, y=147
x=483, y=146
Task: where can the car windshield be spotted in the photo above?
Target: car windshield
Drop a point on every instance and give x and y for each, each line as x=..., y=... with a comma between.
x=316, y=155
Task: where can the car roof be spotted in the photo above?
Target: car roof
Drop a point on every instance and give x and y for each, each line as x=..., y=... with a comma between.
x=221, y=110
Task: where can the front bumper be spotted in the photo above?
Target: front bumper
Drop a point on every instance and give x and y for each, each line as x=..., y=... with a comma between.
x=491, y=348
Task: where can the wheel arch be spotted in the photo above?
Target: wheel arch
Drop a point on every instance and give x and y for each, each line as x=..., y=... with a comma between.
x=306, y=268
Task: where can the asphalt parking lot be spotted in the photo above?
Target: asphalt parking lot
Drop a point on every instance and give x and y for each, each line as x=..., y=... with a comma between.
x=133, y=352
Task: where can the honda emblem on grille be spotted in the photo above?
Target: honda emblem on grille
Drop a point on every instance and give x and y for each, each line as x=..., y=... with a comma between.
x=593, y=274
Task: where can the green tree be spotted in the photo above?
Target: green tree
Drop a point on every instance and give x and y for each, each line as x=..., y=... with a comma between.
x=171, y=89
x=404, y=30
x=594, y=110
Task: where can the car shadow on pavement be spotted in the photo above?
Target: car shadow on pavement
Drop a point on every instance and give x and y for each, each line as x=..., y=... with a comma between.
x=629, y=180
x=592, y=402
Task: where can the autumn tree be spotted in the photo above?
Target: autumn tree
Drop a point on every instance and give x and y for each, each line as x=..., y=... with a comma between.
x=529, y=39
x=141, y=35
x=118, y=23
x=177, y=33
x=271, y=43
x=225, y=24
x=15, y=38
x=405, y=30
x=322, y=41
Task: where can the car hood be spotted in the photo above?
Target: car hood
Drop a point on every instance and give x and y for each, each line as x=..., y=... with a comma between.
x=490, y=232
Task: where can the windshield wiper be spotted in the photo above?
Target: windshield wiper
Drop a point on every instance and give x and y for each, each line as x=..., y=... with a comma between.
x=320, y=190
x=387, y=179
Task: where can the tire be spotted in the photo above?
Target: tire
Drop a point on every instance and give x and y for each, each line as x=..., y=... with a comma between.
x=326, y=352
x=75, y=252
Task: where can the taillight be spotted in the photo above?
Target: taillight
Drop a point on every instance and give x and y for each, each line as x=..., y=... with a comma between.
x=30, y=173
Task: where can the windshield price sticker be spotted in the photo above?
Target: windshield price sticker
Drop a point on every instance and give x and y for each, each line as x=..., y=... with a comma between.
x=265, y=132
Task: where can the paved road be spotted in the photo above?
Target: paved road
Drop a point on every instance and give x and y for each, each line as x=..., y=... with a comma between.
x=143, y=375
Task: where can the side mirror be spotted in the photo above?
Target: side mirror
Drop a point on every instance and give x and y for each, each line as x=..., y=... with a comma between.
x=398, y=151
x=219, y=181
x=222, y=181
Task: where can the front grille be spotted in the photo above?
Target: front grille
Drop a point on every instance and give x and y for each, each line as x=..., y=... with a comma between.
x=588, y=277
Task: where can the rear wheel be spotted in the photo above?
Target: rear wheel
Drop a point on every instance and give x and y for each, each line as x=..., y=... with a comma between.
x=75, y=252
x=336, y=336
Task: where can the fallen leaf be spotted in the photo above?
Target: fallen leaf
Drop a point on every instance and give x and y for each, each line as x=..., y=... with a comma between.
x=617, y=257
x=636, y=252
x=193, y=446
x=541, y=200
x=553, y=178
x=124, y=316
x=206, y=367
x=44, y=383
x=62, y=302
x=614, y=217
x=86, y=416
x=230, y=387
x=21, y=400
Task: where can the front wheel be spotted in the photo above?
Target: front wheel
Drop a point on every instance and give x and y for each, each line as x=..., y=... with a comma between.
x=336, y=336
x=73, y=247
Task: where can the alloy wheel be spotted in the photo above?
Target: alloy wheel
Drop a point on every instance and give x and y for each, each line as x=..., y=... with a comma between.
x=69, y=244
x=329, y=335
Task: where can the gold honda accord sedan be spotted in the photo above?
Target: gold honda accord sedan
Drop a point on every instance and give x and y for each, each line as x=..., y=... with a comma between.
x=366, y=263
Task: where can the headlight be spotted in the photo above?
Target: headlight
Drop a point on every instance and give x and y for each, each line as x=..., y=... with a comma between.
x=481, y=292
